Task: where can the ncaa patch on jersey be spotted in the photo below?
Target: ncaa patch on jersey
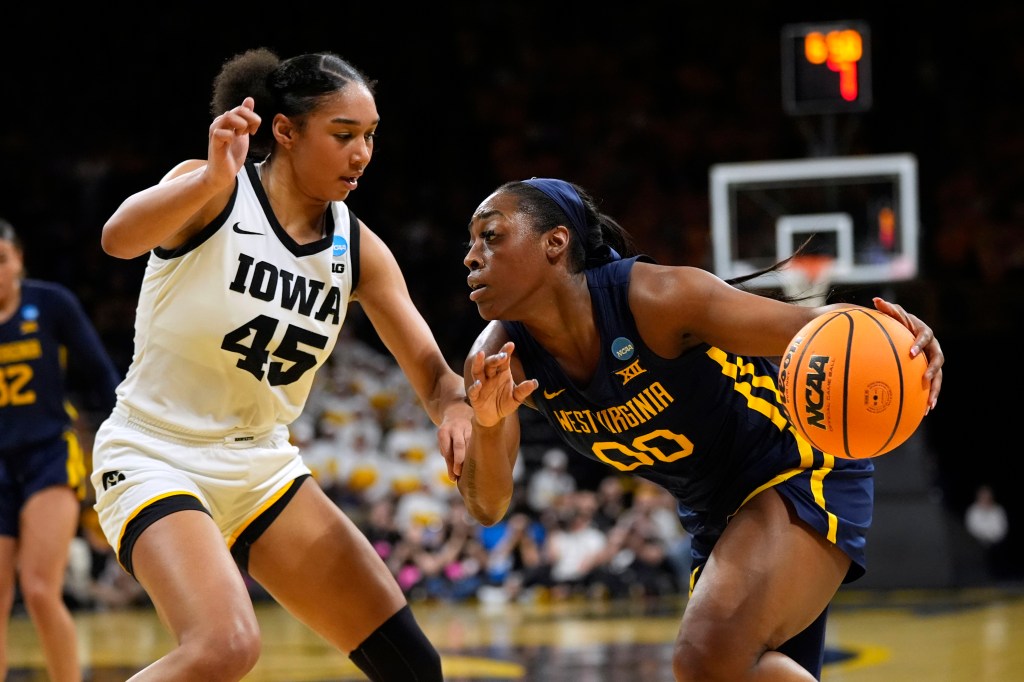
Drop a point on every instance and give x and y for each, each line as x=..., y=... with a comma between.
x=622, y=348
x=340, y=246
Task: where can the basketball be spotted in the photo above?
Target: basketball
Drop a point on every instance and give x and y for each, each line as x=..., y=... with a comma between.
x=849, y=386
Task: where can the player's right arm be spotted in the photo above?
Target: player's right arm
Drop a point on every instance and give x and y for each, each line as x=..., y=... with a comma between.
x=485, y=481
x=189, y=197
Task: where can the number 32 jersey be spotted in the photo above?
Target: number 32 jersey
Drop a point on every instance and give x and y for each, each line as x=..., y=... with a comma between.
x=231, y=326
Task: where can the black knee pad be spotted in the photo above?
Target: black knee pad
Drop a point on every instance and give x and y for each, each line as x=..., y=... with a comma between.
x=398, y=651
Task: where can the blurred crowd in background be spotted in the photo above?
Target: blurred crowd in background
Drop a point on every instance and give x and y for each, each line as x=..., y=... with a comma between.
x=633, y=102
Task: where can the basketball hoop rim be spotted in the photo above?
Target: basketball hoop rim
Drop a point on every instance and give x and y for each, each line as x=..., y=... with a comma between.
x=812, y=268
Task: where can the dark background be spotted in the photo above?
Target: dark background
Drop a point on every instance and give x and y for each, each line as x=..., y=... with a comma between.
x=635, y=101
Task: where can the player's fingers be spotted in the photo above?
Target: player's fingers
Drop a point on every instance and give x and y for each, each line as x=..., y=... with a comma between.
x=447, y=452
x=248, y=107
x=252, y=120
x=240, y=121
x=495, y=364
x=458, y=454
x=882, y=304
x=895, y=311
x=936, y=358
x=223, y=135
x=933, y=395
x=923, y=342
x=477, y=366
x=523, y=391
x=453, y=441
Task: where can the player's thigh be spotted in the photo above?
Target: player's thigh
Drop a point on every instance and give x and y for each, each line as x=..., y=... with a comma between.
x=185, y=567
x=49, y=520
x=768, y=577
x=317, y=564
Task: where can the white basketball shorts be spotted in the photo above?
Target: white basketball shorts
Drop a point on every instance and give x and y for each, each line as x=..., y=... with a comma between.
x=135, y=467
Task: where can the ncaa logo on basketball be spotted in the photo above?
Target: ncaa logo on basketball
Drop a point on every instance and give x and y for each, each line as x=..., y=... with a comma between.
x=816, y=390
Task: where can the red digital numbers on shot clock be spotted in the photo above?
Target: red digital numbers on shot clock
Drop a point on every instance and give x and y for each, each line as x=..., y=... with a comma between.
x=826, y=68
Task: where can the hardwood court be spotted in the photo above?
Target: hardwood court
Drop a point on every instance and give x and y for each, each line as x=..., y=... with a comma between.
x=972, y=635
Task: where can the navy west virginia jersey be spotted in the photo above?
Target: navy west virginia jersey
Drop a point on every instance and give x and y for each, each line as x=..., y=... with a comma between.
x=48, y=330
x=706, y=426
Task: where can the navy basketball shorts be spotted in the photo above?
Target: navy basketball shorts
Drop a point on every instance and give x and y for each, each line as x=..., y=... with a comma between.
x=25, y=471
x=835, y=500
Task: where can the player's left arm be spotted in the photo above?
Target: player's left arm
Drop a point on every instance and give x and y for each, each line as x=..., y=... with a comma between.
x=677, y=307
x=85, y=349
x=384, y=295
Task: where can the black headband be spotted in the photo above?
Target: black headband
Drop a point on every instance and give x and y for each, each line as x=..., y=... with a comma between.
x=568, y=199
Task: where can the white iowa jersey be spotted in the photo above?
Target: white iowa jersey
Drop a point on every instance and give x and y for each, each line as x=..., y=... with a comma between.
x=231, y=326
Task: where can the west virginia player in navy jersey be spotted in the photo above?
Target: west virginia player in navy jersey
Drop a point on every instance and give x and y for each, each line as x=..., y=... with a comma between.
x=253, y=259
x=44, y=332
x=666, y=373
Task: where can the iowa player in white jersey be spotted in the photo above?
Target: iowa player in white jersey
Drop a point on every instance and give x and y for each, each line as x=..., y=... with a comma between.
x=253, y=260
x=666, y=373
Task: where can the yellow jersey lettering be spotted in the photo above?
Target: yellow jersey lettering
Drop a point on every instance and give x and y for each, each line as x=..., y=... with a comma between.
x=576, y=421
x=630, y=372
x=642, y=406
x=20, y=351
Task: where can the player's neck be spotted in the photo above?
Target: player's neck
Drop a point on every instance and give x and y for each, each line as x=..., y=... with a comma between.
x=295, y=220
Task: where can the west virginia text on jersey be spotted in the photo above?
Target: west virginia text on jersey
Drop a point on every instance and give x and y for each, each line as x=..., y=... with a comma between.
x=706, y=426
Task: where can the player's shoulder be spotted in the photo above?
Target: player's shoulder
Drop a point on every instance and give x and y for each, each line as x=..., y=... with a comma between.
x=491, y=338
x=50, y=295
x=46, y=289
x=649, y=268
x=661, y=281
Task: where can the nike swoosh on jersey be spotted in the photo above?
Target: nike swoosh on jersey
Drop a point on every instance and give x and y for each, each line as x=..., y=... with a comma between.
x=239, y=230
x=549, y=396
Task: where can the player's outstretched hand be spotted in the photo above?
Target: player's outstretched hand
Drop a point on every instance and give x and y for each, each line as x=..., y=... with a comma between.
x=229, y=141
x=494, y=393
x=925, y=341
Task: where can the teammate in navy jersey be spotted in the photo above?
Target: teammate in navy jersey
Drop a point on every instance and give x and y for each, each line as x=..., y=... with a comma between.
x=664, y=372
x=44, y=335
x=253, y=259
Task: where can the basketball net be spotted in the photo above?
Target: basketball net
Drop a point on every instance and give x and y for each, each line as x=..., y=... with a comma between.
x=808, y=277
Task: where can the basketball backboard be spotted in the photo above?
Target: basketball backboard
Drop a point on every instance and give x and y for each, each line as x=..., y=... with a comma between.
x=861, y=210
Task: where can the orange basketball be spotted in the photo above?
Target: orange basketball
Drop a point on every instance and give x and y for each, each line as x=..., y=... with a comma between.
x=849, y=385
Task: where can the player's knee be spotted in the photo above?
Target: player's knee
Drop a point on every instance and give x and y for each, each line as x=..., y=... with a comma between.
x=707, y=658
x=689, y=663
x=38, y=592
x=227, y=653
x=398, y=651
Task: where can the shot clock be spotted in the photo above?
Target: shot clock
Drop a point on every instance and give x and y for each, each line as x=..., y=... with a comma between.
x=826, y=68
